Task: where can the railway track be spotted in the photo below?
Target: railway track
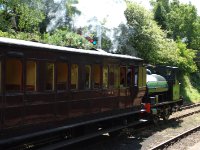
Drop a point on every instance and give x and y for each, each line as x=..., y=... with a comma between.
x=186, y=115
x=188, y=106
x=190, y=113
x=175, y=139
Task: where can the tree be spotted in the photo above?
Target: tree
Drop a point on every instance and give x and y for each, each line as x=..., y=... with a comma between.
x=49, y=8
x=123, y=40
x=72, y=11
x=161, y=8
x=21, y=15
x=152, y=44
x=63, y=37
x=180, y=20
x=195, y=44
x=148, y=39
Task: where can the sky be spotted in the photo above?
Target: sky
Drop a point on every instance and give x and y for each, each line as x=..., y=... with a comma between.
x=96, y=11
x=110, y=10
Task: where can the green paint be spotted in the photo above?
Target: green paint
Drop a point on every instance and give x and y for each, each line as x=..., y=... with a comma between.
x=157, y=86
x=176, y=91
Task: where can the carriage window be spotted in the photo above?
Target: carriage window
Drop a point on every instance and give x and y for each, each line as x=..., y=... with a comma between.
x=13, y=75
x=62, y=76
x=111, y=76
x=144, y=72
x=87, y=76
x=74, y=76
x=140, y=77
x=136, y=77
x=105, y=76
x=50, y=76
x=31, y=76
x=114, y=76
x=129, y=76
x=0, y=78
x=122, y=76
x=96, y=76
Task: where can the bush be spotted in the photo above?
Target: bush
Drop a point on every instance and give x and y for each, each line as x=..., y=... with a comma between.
x=66, y=38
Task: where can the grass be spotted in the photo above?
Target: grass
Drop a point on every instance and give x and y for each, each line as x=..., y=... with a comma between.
x=190, y=87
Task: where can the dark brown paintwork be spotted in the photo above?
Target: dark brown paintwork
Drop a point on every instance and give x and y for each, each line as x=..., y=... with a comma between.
x=22, y=109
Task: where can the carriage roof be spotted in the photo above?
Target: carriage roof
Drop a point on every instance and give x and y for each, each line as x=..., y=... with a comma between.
x=49, y=47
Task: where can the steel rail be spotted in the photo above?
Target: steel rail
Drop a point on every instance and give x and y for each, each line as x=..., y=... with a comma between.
x=175, y=139
x=190, y=106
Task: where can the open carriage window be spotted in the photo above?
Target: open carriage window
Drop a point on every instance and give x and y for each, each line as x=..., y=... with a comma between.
x=111, y=76
x=31, y=76
x=105, y=76
x=13, y=75
x=122, y=76
x=136, y=76
x=96, y=76
x=62, y=76
x=114, y=76
x=129, y=76
x=142, y=76
x=74, y=76
x=87, y=77
x=0, y=78
x=50, y=76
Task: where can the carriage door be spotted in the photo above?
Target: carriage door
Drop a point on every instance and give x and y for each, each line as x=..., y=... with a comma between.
x=1, y=97
x=14, y=92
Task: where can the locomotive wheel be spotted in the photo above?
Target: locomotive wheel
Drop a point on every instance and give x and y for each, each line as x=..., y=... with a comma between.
x=166, y=114
x=165, y=117
x=155, y=119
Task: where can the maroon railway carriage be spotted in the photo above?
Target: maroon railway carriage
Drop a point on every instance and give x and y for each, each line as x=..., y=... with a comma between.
x=46, y=88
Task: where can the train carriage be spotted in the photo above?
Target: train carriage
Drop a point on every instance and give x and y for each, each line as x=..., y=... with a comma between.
x=45, y=89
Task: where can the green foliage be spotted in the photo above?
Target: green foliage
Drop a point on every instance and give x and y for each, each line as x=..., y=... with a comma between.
x=152, y=43
x=29, y=18
x=21, y=35
x=160, y=15
x=59, y=37
x=195, y=40
x=180, y=20
x=66, y=38
x=106, y=43
x=186, y=58
x=20, y=15
x=190, y=88
x=148, y=39
x=24, y=20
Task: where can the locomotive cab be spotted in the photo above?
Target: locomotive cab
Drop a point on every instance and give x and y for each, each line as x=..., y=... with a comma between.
x=170, y=74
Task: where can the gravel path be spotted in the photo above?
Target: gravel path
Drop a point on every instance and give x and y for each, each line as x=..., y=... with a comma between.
x=173, y=128
x=186, y=143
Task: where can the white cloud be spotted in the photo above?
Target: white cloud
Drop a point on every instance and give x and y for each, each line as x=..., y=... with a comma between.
x=110, y=10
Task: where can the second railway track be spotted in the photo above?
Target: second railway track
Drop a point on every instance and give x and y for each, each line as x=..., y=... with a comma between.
x=175, y=139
